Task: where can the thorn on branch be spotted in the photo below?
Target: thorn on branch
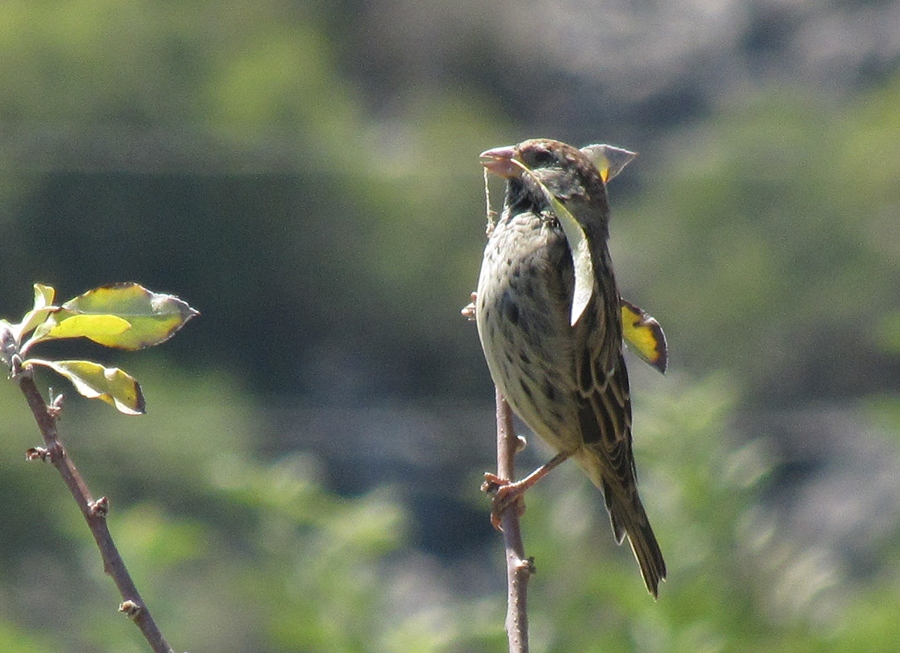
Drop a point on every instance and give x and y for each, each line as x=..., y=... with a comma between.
x=130, y=609
x=468, y=310
x=15, y=367
x=37, y=453
x=527, y=566
x=100, y=507
x=54, y=406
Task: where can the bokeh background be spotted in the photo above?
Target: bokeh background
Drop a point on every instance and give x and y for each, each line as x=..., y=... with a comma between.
x=306, y=175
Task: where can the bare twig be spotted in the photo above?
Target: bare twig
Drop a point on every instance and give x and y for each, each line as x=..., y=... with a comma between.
x=518, y=567
x=94, y=511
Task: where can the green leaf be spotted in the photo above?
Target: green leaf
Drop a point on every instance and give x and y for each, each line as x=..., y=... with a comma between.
x=578, y=246
x=581, y=257
x=43, y=307
x=101, y=313
x=92, y=380
x=43, y=295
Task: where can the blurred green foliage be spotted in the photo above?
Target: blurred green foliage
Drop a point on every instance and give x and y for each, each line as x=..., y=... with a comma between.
x=147, y=148
x=190, y=145
x=233, y=553
x=768, y=244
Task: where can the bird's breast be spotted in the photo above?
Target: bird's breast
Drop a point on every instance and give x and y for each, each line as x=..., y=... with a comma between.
x=522, y=311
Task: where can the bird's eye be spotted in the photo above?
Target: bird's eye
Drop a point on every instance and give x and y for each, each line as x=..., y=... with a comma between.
x=542, y=157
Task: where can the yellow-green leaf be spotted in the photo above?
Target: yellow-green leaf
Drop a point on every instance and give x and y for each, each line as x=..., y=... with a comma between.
x=99, y=328
x=644, y=336
x=43, y=295
x=581, y=257
x=43, y=307
x=578, y=246
x=153, y=317
x=92, y=380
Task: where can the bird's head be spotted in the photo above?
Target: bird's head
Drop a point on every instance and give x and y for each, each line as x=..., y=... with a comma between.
x=567, y=172
x=546, y=175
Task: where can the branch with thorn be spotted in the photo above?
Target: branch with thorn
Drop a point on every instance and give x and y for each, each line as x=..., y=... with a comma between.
x=506, y=508
x=94, y=511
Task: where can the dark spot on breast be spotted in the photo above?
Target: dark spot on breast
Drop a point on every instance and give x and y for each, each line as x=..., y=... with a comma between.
x=509, y=307
x=549, y=391
x=526, y=389
x=529, y=286
x=512, y=312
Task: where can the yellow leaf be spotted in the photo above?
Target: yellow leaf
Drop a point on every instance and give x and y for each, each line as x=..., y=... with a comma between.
x=644, y=335
x=102, y=329
x=125, y=316
x=92, y=380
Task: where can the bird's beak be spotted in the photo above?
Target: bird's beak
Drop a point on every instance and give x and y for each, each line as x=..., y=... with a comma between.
x=500, y=161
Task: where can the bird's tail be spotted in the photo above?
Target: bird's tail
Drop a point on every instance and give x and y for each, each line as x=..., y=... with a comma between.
x=628, y=517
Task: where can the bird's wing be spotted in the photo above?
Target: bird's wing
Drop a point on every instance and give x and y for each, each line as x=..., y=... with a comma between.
x=604, y=416
x=604, y=397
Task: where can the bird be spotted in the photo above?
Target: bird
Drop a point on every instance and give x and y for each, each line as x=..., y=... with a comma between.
x=549, y=318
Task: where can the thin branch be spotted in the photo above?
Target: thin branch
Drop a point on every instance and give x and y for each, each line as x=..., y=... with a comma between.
x=518, y=567
x=94, y=512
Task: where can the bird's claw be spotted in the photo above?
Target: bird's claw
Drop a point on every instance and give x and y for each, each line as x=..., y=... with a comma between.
x=504, y=493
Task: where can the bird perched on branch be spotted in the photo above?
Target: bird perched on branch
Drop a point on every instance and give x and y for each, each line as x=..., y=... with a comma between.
x=550, y=321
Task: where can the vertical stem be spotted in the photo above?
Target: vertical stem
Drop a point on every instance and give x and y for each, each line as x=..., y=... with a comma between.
x=518, y=568
x=94, y=513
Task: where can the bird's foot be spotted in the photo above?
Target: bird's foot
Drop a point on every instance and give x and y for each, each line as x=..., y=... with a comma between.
x=504, y=493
